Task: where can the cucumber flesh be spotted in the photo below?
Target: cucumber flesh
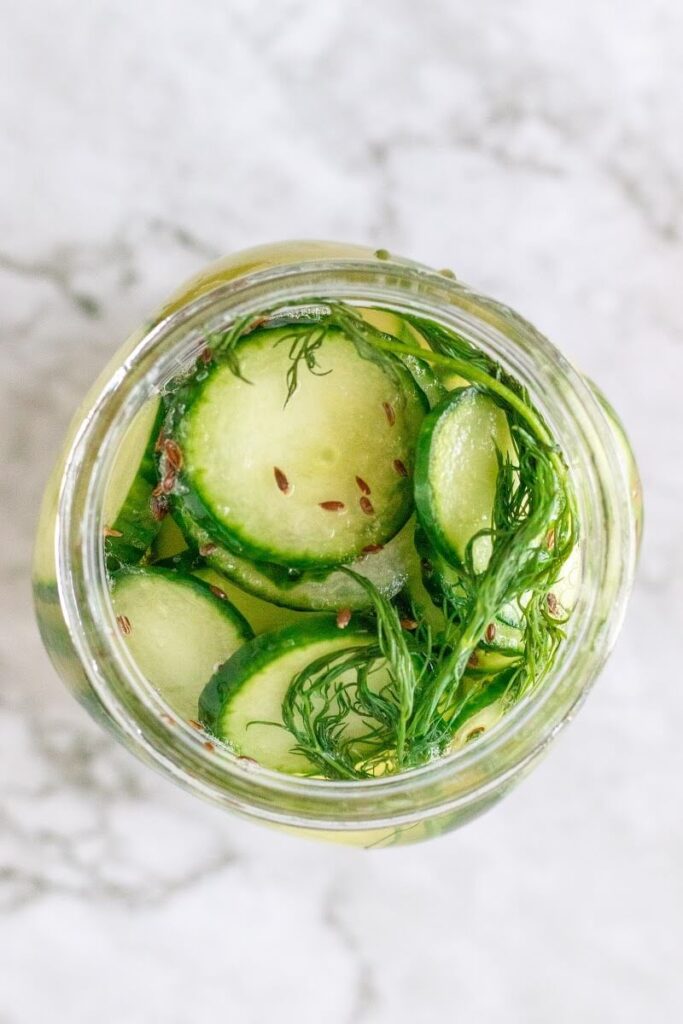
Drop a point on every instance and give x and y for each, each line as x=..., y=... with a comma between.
x=177, y=631
x=279, y=481
x=440, y=581
x=262, y=616
x=242, y=703
x=170, y=543
x=425, y=377
x=566, y=588
x=126, y=511
x=477, y=724
x=456, y=471
x=325, y=591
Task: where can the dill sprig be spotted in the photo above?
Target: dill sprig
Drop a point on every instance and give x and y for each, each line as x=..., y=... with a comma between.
x=223, y=344
x=303, y=348
x=342, y=723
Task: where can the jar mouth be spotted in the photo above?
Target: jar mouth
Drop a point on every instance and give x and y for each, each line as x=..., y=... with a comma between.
x=455, y=780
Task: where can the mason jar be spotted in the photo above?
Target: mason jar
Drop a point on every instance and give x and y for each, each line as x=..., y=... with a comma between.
x=71, y=591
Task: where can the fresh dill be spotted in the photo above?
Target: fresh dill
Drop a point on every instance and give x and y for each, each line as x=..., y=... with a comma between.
x=303, y=348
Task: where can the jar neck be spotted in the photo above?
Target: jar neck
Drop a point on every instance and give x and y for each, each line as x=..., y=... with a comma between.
x=575, y=418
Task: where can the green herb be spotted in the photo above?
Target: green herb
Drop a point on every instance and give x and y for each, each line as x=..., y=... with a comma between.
x=303, y=348
x=223, y=344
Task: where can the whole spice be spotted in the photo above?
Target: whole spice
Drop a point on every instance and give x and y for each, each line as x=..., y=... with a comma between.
x=281, y=480
x=332, y=506
x=168, y=483
x=362, y=486
x=158, y=504
x=124, y=624
x=367, y=506
x=389, y=413
x=174, y=456
x=343, y=617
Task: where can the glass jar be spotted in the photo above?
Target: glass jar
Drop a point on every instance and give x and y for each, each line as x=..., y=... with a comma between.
x=70, y=585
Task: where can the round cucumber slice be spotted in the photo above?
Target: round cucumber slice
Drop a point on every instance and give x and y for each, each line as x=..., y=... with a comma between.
x=242, y=703
x=130, y=525
x=307, y=591
x=304, y=483
x=440, y=581
x=456, y=470
x=262, y=616
x=426, y=379
x=177, y=630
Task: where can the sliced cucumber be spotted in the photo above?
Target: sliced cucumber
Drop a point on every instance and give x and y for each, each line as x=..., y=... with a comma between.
x=456, y=470
x=177, y=631
x=169, y=543
x=242, y=703
x=423, y=374
x=481, y=718
x=307, y=591
x=566, y=588
x=129, y=523
x=309, y=483
x=262, y=616
x=441, y=583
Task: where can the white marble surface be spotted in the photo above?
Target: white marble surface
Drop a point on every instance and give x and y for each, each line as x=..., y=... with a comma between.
x=537, y=149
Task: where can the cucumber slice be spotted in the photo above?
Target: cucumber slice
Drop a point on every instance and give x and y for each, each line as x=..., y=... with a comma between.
x=177, y=631
x=242, y=703
x=129, y=523
x=262, y=616
x=441, y=582
x=307, y=591
x=482, y=717
x=309, y=483
x=456, y=470
x=170, y=543
x=425, y=377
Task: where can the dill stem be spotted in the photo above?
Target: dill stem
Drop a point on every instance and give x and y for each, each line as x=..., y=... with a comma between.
x=470, y=372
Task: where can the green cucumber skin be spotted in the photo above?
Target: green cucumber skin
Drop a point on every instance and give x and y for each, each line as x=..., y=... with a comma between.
x=258, y=653
x=190, y=499
x=273, y=583
x=422, y=485
x=274, y=579
x=491, y=693
x=199, y=586
x=135, y=520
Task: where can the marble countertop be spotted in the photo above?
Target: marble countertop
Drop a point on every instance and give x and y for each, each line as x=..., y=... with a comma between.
x=537, y=150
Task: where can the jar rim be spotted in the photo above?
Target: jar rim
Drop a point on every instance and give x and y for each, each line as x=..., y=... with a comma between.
x=450, y=782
